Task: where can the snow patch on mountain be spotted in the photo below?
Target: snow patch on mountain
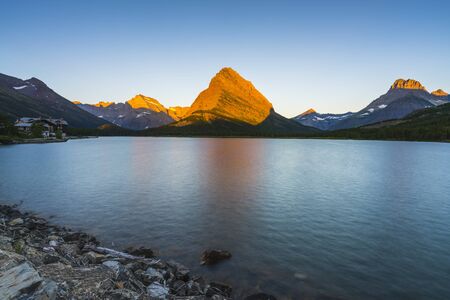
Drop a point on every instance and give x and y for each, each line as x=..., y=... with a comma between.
x=20, y=87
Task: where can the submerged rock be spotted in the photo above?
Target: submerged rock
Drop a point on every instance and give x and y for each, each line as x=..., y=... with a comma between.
x=260, y=296
x=210, y=257
x=217, y=288
x=42, y=261
x=141, y=251
x=300, y=276
x=180, y=271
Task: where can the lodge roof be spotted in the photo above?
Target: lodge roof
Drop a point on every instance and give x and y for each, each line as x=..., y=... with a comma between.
x=29, y=120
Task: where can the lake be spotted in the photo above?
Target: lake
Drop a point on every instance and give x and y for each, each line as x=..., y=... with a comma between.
x=304, y=219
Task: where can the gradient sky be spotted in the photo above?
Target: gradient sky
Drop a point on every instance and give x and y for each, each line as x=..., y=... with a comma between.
x=334, y=56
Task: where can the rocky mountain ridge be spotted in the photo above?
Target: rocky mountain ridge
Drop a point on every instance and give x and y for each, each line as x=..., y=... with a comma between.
x=403, y=98
x=408, y=84
x=33, y=98
x=138, y=113
x=439, y=93
x=230, y=101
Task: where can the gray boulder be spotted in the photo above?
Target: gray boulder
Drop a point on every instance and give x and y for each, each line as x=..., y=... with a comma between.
x=151, y=275
x=157, y=290
x=18, y=279
x=113, y=265
x=17, y=221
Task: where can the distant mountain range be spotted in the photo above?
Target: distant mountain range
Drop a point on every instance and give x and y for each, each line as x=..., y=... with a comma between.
x=138, y=113
x=230, y=105
x=403, y=98
x=33, y=98
x=429, y=124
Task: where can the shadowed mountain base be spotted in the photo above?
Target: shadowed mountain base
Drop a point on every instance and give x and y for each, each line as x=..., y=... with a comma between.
x=431, y=124
x=274, y=125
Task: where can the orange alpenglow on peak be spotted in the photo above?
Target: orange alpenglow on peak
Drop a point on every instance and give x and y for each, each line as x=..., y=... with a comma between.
x=440, y=93
x=409, y=84
x=177, y=112
x=230, y=96
x=141, y=101
x=76, y=102
x=308, y=112
x=104, y=104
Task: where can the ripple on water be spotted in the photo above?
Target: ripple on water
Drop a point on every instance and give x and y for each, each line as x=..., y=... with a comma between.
x=303, y=218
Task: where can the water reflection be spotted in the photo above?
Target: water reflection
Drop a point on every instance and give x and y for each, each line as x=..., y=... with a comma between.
x=303, y=218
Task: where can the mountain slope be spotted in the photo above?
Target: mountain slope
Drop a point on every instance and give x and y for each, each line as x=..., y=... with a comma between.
x=320, y=121
x=231, y=105
x=177, y=112
x=141, y=101
x=138, y=113
x=274, y=125
x=403, y=98
x=33, y=98
x=229, y=96
x=430, y=124
x=125, y=116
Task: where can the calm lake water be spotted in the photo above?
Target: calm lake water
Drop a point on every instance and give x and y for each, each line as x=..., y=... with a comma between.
x=304, y=219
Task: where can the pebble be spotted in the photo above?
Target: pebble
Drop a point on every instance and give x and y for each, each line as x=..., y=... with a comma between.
x=43, y=261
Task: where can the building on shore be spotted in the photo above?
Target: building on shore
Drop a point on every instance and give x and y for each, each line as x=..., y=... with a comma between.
x=50, y=128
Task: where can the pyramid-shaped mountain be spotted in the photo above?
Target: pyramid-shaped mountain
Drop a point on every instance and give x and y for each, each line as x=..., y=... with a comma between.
x=231, y=105
x=229, y=96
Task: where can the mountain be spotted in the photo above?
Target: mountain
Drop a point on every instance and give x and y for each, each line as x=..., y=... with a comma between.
x=104, y=104
x=141, y=101
x=310, y=111
x=403, y=98
x=430, y=124
x=138, y=113
x=177, y=112
x=33, y=98
x=229, y=96
x=320, y=121
x=442, y=94
x=231, y=105
x=409, y=84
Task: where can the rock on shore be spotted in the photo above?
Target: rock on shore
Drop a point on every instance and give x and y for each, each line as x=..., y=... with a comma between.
x=43, y=261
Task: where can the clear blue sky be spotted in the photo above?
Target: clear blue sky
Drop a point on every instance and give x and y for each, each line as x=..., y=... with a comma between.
x=334, y=56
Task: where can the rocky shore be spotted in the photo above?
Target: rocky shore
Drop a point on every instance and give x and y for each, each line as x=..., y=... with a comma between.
x=39, y=260
x=13, y=141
